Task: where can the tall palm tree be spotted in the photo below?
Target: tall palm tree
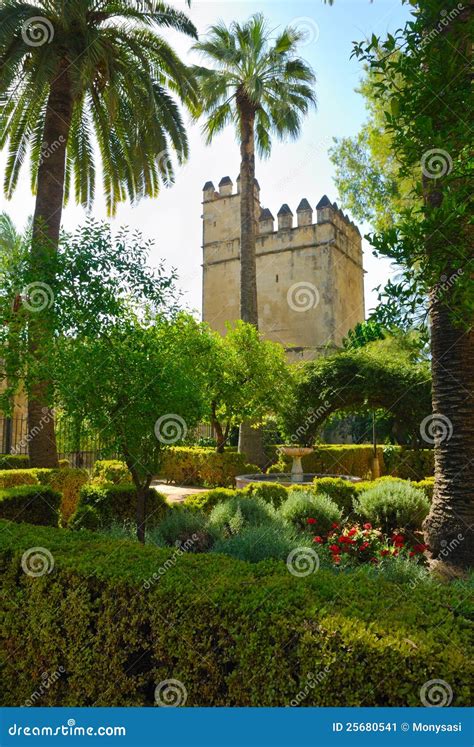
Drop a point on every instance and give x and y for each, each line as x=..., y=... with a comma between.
x=258, y=84
x=71, y=75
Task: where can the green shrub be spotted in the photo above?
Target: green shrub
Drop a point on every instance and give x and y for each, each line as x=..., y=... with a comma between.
x=186, y=528
x=14, y=461
x=207, y=621
x=202, y=466
x=68, y=481
x=427, y=486
x=34, y=504
x=392, y=504
x=111, y=470
x=270, y=492
x=101, y=505
x=302, y=505
x=342, y=492
x=233, y=515
x=256, y=543
x=10, y=478
x=207, y=501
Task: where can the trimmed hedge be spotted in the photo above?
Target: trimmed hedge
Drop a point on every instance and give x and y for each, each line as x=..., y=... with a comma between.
x=101, y=505
x=14, y=461
x=10, y=478
x=34, y=504
x=356, y=460
x=111, y=470
x=233, y=633
x=203, y=466
x=67, y=481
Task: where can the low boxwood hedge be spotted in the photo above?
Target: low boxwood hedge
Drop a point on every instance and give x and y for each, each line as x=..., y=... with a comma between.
x=34, y=504
x=14, y=461
x=203, y=466
x=119, y=618
x=101, y=505
x=11, y=478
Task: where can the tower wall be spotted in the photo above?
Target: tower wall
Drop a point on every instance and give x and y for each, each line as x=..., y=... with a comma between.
x=309, y=276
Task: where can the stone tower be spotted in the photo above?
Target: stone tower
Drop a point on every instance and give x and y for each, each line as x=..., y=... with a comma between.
x=309, y=275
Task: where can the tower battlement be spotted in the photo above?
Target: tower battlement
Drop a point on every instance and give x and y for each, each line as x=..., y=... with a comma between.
x=320, y=249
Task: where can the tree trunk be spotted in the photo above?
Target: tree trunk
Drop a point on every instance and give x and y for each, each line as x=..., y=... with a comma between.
x=46, y=226
x=449, y=524
x=250, y=439
x=141, y=512
x=221, y=437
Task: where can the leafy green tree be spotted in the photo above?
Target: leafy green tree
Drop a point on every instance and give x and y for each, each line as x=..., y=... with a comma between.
x=258, y=84
x=138, y=385
x=428, y=82
x=247, y=378
x=72, y=74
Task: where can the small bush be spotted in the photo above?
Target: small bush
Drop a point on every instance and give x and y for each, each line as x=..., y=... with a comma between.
x=207, y=501
x=232, y=516
x=270, y=492
x=10, y=478
x=68, y=481
x=33, y=504
x=392, y=504
x=102, y=505
x=302, y=505
x=182, y=527
x=342, y=492
x=427, y=486
x=256, y=543
x=111, y=470
x=14, y=461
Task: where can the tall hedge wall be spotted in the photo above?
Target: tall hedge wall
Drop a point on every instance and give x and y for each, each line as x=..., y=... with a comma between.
x=233, y=633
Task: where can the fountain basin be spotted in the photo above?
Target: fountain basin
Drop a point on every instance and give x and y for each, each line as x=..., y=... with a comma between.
x=287, y=478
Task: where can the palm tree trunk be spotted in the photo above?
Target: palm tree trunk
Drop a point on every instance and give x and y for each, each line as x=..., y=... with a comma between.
x=250, y=439
x=449, y=525
x=46, y=227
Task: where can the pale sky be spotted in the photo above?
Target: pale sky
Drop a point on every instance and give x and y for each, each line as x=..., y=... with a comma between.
x=294, y=170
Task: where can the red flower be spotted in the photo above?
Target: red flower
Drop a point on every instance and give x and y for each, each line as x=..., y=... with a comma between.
x=311, y=521
x=374, y=560
x=367, y=526
x=335, y=548
x=318, y=539
x=384, y=553
x=335, y=525
x=336, y=559
x=364, y=546
x=411, y=554
x=351, y=532
x=398, y=539
x=420, y=548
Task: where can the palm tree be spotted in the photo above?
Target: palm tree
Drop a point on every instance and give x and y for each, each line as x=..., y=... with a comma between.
x=71, y=75
x=258, y=84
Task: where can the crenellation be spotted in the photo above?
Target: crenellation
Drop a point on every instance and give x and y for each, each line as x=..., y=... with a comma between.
x=324, y=255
